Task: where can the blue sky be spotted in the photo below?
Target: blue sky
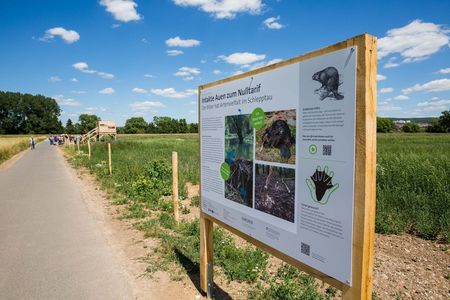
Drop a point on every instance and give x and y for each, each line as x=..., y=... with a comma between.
x=124, y=58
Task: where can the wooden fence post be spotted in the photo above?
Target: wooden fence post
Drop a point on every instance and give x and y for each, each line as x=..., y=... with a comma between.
x=78, y=146
x=109, y=159
x=175, y=185
x=89, y=149
x=206, y=256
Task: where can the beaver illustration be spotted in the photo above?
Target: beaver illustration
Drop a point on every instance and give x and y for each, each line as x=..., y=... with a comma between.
x=278, y=135
x=329, y=78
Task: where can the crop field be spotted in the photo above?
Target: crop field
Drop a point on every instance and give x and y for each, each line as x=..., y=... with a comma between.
x=413, y=185
x=413, y=196
x=13, y=144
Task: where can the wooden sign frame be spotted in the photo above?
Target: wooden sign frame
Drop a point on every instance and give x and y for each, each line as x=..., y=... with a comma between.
x=364, y=180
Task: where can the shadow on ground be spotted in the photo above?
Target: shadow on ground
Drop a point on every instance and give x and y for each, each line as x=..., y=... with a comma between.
x=193, y=271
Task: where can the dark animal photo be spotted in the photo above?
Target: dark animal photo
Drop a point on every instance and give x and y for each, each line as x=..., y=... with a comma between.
x=329, y=80
x=239, y=155
x=275, y=141
x=275, y=191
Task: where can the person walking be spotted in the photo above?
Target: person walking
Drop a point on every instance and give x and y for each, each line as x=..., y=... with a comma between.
x=32, y=143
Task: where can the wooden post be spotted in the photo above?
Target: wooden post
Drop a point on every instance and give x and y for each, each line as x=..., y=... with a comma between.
x=89, y=149
x=206, y=256
x=78, y=146
x=175, y=186
x=109, y=159
x=365, y=171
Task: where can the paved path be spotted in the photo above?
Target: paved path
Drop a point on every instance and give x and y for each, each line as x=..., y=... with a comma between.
x=50, y=246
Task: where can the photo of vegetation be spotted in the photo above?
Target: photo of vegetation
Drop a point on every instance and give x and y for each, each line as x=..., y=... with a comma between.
x=275, y=191
x=275, y=141
x=239, y=155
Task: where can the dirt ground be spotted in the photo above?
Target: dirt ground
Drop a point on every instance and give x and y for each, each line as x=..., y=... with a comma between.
x=406, y=267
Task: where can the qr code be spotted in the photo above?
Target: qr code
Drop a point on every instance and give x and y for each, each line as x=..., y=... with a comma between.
x=305, y=249
x=326, y=150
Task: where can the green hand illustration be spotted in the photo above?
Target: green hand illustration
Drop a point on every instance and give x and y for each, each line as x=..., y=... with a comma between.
x=320, y=185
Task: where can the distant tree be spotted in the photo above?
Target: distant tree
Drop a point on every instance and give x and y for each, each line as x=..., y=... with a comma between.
x=435, y=127
x=135, y=125
x=193, y=128
x=444, y=121
x=86, y=122
x=182, y=126
x=70, y=128
x=385, y=125
x=26, y=113
x=411, y=127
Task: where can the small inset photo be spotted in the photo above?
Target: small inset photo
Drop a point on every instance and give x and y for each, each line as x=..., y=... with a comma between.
x=239, y=158
x=239, y=186
x=275, y=191
x=275, y=141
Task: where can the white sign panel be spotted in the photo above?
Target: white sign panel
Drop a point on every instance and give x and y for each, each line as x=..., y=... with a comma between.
x=277, y=158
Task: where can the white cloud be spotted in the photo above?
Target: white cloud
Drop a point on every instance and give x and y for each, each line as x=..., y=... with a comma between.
x=174, y=52
x=274, y=61
x=63, y=101
x=188, y=78
x=438, y=85
x=390, y=64
x=381, y=77
x=74, y=79
x=238, y=72
x=122, y=10
x=114, y=26
x=203, y=61
x=84, y=67
x=187, y=71
x=387, y=106
x=78, y=92
x=178, y=42
x=107, y=91
x=401, y=97
x=105, y=75
x=139, y=90
x=192, y=103
x=224, y=9
x=272, y=23
x=415, y=41
x=444, y=71
x=439, y=105
x=54, y=79
x=145, y=41
x=386, y=90
x=261, y=64
x=149, y=76
x=242, y=58
x=146, y=105
x=217, y=72
x=69, y=36
x=102, y=109
x=172, y=93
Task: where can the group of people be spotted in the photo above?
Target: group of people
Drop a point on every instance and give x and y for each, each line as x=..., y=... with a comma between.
x=64, y=138
x=58, y=140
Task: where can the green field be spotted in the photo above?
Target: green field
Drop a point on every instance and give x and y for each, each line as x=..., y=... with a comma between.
x=413, y=196
x=413, y=185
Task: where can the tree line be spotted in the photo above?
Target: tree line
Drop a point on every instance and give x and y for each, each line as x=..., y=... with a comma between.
x=439, y=125
x=26, y=113
x=158, y=125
